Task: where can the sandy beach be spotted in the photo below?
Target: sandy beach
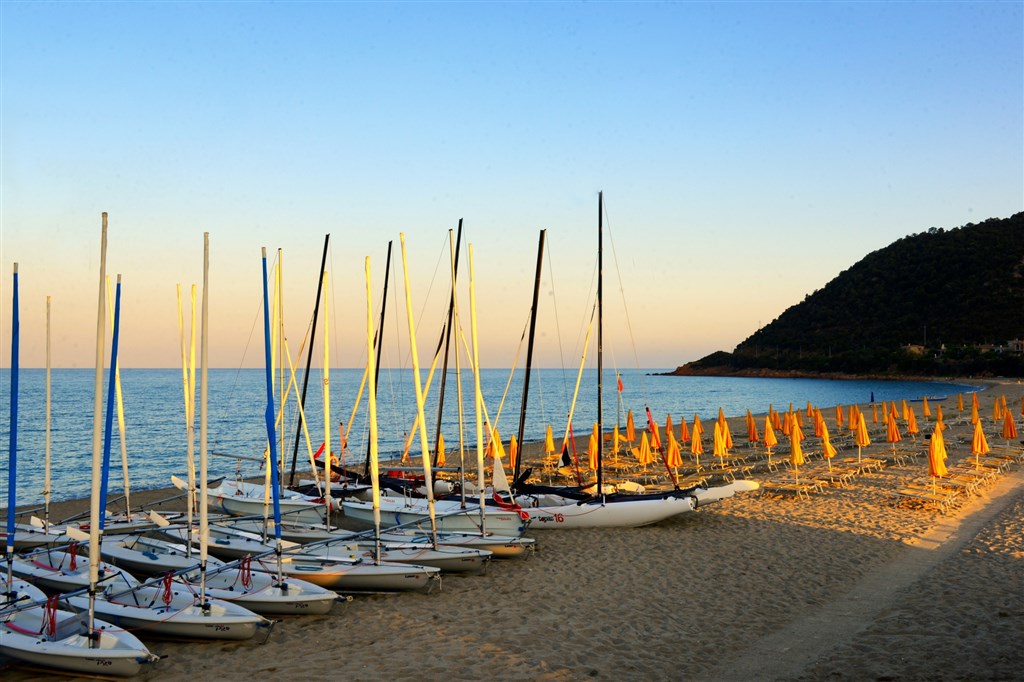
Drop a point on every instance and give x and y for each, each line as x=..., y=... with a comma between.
x=847, y=584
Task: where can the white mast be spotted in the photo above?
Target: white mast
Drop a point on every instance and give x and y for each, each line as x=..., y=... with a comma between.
x=95, y=535
x=424, y=447
x=372, y=402
x=46, y=479
x=204, y=525
x=327, y=410
x=478, y=398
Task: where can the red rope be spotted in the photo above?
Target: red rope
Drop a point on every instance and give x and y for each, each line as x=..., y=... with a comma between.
x=73, y=551
x=50, y=616
x=168, y=595
x=245, y=569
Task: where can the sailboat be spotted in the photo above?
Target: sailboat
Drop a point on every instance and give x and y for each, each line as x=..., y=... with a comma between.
x=32, y=627
x=557, y=507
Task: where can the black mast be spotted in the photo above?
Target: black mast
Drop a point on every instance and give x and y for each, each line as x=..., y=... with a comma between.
x=309, y=355
x=529, y=353
x=447, y=339
x=380, y=343
x=600, y=350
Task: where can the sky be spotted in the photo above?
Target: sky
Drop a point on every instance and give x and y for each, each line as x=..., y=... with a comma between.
x=748, y=153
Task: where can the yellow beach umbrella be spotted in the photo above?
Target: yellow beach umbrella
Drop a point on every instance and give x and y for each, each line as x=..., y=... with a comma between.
x=938, y=417
x=819, y=424
x=828, y=451
x=851, y=423
x=979, y=445
x=799, y=419
x=752, y=435
x=839, y=416
x=1009, y=428
x=924, y=409
x=630, y=427
x=796, y=452
x=498, y=450
x=696, y=445
x=669, y=427
x=861, y=438
x=652, y=426
x=644, y=456
x=960, y=402
x=905, y=409
x=974, y=411
x=592, y=447
x=787, y=424
x=549, y=441
x=770, y=439
x=892, y=434
x=440, y=450
x=912, y=423
x=674, y=457
x=698, y=429
x=997, y=410
x=616, y=439
x=684, y=431
x=513, y=452
x=726, y=436
x=719, y=443
x=937, y=456
x=874, y=413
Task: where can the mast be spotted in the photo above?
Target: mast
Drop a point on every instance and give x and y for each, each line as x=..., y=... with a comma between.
x=371, y=399
x=269, y=418
x=46, y=480
x=97, y=446
x=204, y=347
x=188, y=392
x=447, y=339
x=121, y=426
x=418, y=385
x=12, y=471
x=110, y=406
x=600, y=349
x=380, y=342
x=529, y=352
x=327, y=409
x=478, y=400
x=309, y=354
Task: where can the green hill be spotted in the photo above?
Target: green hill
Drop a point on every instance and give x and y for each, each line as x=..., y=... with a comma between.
x=943, y=302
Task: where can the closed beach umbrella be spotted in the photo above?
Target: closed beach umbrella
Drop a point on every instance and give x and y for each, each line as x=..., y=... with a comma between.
x=644, y=455
x=892, y=434
x=513, y=452
x=810, y=408
x=912, y=423
x=997, y=410
x=960, y=402
x=719, y=443
x=938, y=417
x=861, y=438
x=696, y=444
x=684, y=431
x=979, y=445
x=906, y=408
x=726, y=436
x=652, y=426
x=498, y=450
x=1009, y=428
x=616, y=439
x=787, y=424
x=770, y=440
x=674, y=457
x=752, y=434
x=974, y=407
x=630, y=427
x=839, y=416
x=440, y=450
x=936, y=456
x=592, y=446
x=698, y=429
x=549, y=441
x=852, y=421
x=799, y=419
x=819, y=424
x=796, y=452
x=874, y=413
x=669, y=428
x=828, y=450
x=924, y=408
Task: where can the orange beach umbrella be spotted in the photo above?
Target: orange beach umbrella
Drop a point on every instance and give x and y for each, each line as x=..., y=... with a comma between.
x=752, y=434
x=549, y=441
x=861, y=438
x=1009, y=428
x=936, y=456
x=828, y=450
x=630, y=427
x=924, y=409
x=979, y=445
x=839, y=416
x=684, y=431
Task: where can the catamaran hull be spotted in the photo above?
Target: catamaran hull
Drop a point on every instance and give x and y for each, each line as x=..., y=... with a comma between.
x=596, y=514
x=396, y=512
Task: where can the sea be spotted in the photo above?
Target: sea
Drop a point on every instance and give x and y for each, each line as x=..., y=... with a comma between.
x=156, y=429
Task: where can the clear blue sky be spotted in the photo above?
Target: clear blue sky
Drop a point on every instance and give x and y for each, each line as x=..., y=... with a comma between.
x=748, y=152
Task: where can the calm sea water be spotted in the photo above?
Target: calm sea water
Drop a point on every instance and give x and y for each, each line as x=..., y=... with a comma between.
x=156, y=427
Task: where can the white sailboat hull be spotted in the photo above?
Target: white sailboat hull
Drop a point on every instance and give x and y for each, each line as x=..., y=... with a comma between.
x=356, y=576
x=446, y=559
x=53, y=572
x=264, y=595
x=500, y=546
x=449, y=516
x=145, y=611
x=115, y=653
x=595, y=514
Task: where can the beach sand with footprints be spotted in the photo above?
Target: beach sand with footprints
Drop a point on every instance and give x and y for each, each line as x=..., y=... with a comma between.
x=847, y=583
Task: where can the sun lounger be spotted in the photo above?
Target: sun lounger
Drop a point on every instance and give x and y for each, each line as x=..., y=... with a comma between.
x=802, y=489
x=944, y=499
